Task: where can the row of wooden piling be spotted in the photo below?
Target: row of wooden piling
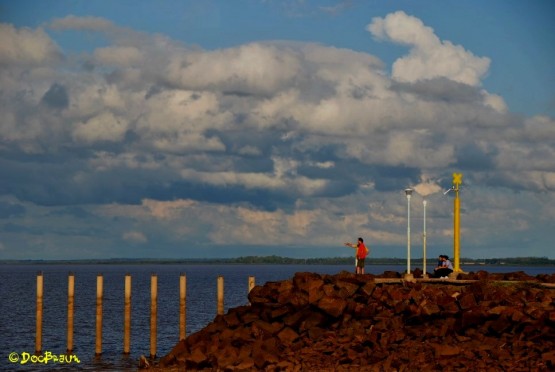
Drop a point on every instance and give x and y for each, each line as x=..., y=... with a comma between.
x=127, y=310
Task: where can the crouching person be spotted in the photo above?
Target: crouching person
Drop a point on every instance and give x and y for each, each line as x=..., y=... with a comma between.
x=446, y=267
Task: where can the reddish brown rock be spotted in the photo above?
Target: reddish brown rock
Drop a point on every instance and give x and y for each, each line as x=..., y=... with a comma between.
x=467, y=301
x=445, y=350
x=345, y=322
x=288, y=336
x=197, y=357
x=333, y=306
x=315, y=319
x=429, y=308
x=347, y=289
x=546, y=278
x=390, y=275
x=367, y=288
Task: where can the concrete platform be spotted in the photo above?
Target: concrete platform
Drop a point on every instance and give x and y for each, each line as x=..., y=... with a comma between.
x=455, y=281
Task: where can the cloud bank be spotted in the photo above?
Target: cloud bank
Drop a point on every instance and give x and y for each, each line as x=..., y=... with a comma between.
x=266, y=143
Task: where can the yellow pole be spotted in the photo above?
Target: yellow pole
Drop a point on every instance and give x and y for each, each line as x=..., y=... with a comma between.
x=182, y=306
x=99, y=291
x=38, y=334
x=408, y=234
x=457, y=180
x=153, y=314
x=424, y=275
x=70, y=304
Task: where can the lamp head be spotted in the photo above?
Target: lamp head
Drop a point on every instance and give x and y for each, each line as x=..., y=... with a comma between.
x=408, y=191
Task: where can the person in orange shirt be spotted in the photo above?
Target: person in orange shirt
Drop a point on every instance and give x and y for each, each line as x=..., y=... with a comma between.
x=361, y=253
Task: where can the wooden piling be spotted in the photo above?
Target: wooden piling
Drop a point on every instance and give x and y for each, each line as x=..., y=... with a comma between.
x=153, y=314
x=182, y=306
x=127, y=311
x=70, y=307
x=220, y=295
x=127, y=316
x=99, y=295
x=38, y=334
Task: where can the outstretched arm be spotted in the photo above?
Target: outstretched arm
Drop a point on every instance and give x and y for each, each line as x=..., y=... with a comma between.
x=350, y=245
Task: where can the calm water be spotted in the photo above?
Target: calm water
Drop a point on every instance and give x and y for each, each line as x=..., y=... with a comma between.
x=18, y=306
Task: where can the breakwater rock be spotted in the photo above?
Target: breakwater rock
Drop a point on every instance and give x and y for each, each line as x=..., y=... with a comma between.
x=345, y=322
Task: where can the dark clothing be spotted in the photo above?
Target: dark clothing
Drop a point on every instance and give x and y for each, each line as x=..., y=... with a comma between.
x=444, y=271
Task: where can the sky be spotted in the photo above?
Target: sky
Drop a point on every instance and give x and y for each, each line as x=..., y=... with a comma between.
x=218, y=128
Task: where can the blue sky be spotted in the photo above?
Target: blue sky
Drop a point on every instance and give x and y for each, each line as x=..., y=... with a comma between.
x=222, y=128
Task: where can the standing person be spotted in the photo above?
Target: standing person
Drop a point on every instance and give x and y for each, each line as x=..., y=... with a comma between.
x=361, y=253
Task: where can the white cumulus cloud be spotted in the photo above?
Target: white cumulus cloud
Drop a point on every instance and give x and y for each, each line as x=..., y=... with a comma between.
x=26, y=46
x=429, y=57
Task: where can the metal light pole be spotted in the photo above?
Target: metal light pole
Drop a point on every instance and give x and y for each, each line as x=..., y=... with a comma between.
x=424, y=274
x=408, y=193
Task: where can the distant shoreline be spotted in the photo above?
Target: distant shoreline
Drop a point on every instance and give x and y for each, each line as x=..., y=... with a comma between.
x=277, y=260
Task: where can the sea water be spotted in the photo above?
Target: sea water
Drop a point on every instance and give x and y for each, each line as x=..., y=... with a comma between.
x=18, y=307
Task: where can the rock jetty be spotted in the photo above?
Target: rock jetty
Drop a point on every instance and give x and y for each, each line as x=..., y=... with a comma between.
x=346, y=322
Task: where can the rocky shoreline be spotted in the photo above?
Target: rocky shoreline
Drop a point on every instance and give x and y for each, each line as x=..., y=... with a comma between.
x=346, y=322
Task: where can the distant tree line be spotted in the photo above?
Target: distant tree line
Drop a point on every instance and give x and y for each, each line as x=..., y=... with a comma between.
x=519, y=261
x=278, y=260
x=515, y=261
